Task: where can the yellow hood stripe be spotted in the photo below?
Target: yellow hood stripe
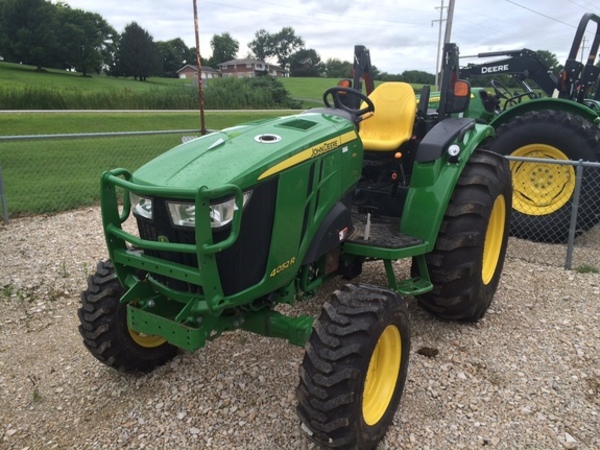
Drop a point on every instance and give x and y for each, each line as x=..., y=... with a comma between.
x=312, y=152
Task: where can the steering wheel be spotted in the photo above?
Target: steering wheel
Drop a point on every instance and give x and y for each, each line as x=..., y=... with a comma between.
x=338, y=103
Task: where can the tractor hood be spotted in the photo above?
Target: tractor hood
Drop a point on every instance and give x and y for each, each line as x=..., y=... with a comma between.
x=245, y=154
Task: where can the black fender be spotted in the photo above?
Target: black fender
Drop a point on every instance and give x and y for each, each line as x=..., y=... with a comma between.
x=333, y=230
x=436, y=142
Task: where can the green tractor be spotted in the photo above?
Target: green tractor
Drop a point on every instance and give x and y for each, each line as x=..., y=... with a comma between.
x=236, y=222
x=562, y=125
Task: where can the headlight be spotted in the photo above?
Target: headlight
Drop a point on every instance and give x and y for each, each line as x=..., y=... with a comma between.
x=142, y=206
x=183, y=213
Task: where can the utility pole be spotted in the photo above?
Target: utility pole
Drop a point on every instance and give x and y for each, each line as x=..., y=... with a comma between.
x=450, y=17
x=199, y=64
x=583, y=47
x=437, y=60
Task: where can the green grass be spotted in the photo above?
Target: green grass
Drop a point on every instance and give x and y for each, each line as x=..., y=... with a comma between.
x=309, y=88
x=21, y=75
x=22, y=87
x=49, y=175
x=89, y=122
x=53, y=175
x=52, y=86
x=586, y=268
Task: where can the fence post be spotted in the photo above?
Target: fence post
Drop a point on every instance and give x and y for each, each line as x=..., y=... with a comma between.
x=574, y=211
x=3, y=199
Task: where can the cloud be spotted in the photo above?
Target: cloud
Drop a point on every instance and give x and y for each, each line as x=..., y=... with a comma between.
x=401, y=34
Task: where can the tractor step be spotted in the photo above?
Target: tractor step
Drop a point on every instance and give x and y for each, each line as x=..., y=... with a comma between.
x=380, y=238
x=380, y=232
x=413, y=286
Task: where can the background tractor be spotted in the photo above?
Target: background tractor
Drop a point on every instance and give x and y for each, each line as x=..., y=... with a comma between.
x=234, y=223
x=560, y=125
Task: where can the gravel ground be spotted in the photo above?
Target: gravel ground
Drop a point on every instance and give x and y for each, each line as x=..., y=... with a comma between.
x=527, y=376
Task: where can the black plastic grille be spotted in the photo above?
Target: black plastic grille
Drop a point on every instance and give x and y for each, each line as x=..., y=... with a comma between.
x=240, y=266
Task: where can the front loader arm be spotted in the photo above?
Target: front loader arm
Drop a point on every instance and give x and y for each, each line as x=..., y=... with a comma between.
x=522, y=64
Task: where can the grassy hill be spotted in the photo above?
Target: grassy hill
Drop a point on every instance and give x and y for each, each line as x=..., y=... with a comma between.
x=21, y=75
x=23, y=87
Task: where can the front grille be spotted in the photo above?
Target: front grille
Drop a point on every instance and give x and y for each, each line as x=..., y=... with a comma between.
x=241, y=265
x=153, y=230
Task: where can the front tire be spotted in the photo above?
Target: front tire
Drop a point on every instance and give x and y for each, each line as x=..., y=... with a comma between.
x=354, y=368
x=543, y=193
x=466, y=263
x=103, y=326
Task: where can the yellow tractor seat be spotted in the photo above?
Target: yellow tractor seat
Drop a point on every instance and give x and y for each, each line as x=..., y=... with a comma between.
x=392, y=123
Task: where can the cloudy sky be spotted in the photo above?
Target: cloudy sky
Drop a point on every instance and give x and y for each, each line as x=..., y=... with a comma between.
x=401, y=34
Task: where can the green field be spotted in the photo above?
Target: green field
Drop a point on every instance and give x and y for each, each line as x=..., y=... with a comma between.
x=20, y=75
x=50, y=175
x=18, y=124
x=26, y=80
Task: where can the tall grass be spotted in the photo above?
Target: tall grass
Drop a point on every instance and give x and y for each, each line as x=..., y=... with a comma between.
x=43, y=97
x=226, y=93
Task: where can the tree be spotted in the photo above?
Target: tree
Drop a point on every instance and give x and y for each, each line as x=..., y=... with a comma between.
x=85, y=39
x=375, y=73
x=306, y=63
x=550, y=60
x=138, y=54
x=262, y=46
x=224, y=48
x=28, y=32
x=286, y=43
x=418, y=76
x=335, y=68
x=174, y=54
x=190, y=57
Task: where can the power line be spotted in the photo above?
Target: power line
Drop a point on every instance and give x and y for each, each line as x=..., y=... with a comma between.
x=584, y=1
x=540, y=14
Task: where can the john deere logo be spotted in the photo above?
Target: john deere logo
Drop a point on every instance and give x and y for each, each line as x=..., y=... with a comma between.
x=163, y=239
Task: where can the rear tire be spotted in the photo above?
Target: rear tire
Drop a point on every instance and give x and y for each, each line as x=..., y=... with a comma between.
x=466, y=263
x=103, y=326
x=543, y=193
x=354, y=368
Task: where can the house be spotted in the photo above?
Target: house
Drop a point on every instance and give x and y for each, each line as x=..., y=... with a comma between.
x=190, y=71
x=249, y=67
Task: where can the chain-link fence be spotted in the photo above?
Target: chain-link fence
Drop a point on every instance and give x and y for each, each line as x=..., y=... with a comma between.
x=556, y=204
x=51, y=173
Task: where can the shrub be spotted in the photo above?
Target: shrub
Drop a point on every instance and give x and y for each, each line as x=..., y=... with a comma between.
x=248, y=93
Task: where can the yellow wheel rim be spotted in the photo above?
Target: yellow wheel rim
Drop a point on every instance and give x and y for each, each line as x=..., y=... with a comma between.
x=493, y=239
x=147, y=341
x=382, y=375
x=540, y=188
